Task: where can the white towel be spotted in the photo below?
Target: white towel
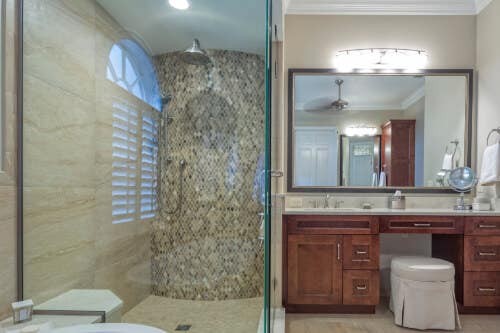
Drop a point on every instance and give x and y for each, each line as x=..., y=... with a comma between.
x=447, y=162
x=382, y=181
x=490, y=169
x=375, y=179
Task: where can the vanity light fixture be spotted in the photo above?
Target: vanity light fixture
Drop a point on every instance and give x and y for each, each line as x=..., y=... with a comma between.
x=360, y=131
x=380, y=58
x=179, y=4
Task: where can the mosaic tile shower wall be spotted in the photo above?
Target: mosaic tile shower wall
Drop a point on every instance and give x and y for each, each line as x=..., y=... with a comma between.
x=209, y=248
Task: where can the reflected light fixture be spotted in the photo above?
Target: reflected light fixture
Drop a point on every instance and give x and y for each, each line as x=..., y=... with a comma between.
x=360, y=131
x=381, y=58
x=179, y=4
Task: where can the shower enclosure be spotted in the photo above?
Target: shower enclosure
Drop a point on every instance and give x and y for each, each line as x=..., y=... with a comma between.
x=146, y=159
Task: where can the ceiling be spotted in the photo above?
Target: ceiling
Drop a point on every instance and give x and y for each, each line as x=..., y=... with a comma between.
x=218, y=24
x=386, y=7
x=313, y=92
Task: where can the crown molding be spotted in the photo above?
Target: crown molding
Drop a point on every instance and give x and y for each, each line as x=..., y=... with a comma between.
x=482, y=4
x=386, y=7
x=413, y=98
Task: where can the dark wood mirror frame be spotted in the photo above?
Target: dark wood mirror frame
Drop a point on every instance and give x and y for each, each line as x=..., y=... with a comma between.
x=292, y=72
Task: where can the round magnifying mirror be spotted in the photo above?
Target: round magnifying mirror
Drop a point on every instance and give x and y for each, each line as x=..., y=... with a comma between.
x=462, y=180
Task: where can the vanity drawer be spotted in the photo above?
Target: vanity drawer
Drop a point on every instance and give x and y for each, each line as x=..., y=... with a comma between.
x=331, y=225
x=482, y=226
x=422, y=224
x=482, y=289
x=361, y=252
x=482, y=253
x=360, y=287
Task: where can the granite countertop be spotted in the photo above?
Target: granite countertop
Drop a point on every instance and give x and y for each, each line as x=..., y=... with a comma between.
x=387, y=211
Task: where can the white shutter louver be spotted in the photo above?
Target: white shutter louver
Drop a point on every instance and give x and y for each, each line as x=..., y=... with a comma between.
x=149, y=154
x=124, y=168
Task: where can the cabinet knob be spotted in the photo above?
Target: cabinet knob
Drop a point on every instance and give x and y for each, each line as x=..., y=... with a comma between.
x=361, y=252
x=338, y=251
x=420, y=225
x=363, y=287
x=487, y=289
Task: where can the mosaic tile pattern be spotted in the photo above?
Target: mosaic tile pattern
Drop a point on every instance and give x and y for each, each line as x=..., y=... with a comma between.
x=209, y=250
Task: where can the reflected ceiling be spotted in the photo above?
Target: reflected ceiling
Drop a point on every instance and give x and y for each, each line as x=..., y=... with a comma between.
x=314, y=92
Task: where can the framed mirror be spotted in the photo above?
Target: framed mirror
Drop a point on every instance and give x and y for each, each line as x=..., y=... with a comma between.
x=377, y=131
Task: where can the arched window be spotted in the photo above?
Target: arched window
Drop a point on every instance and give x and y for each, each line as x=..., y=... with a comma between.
x=135, y=133
x=130, y=67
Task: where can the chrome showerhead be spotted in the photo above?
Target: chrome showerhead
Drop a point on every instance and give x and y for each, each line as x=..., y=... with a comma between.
x=195, y=55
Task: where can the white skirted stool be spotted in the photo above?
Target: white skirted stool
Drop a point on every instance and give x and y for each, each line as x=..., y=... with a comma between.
x=423, y=293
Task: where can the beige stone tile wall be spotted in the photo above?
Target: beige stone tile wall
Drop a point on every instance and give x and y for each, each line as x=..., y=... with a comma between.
x=70, y=241
x=209, y=249
x=8, y=177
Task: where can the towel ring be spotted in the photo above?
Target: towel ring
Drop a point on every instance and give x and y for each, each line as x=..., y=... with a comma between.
x=495, y=130
x=455, y=143
x=453, y=152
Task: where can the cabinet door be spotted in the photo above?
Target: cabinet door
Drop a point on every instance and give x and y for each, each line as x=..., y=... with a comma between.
x=361, y=287
x=482, y=289
x=314, y=269
x=361, y=252
x=482, y=225
x=482, y=253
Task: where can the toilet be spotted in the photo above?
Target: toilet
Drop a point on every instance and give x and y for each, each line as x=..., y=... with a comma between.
x=423, y=293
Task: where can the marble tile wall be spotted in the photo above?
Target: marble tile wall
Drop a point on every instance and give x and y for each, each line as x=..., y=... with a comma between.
x=70, y=241
x=210, y=249
x=7, y=248
x=8, y=177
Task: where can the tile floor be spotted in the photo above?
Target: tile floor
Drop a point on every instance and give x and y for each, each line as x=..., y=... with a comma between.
x=231, y=316
x=380, y=322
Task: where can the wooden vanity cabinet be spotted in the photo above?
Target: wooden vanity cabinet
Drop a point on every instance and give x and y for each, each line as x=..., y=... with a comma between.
x=315, y=269
x=331, y=263
x=482, y=262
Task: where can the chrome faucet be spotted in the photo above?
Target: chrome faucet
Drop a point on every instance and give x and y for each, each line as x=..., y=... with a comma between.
x=338, y=203
x=326, y=203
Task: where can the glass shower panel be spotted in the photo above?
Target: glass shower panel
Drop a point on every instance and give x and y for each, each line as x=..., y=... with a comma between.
x=146, y=167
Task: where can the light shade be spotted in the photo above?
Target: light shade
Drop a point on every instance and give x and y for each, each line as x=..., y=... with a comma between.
x=179, y=4
x=360, y=131
x=381, y=58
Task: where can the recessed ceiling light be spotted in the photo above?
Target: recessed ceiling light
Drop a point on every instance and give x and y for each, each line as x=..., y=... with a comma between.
x=179, y=4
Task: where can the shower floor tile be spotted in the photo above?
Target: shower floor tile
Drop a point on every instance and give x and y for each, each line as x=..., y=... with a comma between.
x=230, y=316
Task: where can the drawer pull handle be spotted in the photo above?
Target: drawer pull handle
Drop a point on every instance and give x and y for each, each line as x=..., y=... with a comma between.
x=487, y=289
x=360, y=260
x=361, y=252
x=338, y=251
x=363, y=287
x=420, y=225
x=487, y=226
x=487, y=254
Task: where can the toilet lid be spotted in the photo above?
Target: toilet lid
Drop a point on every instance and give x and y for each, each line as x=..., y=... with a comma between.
x=423, y=269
